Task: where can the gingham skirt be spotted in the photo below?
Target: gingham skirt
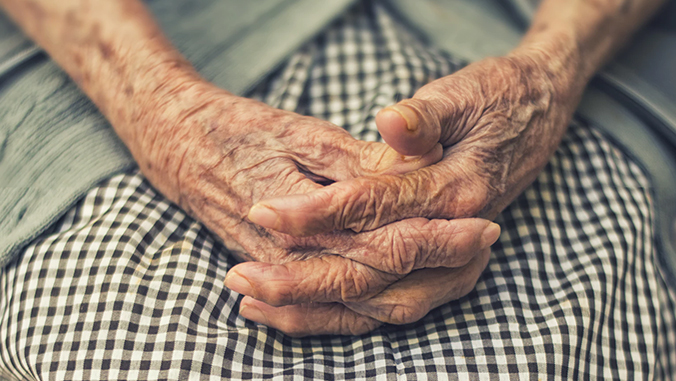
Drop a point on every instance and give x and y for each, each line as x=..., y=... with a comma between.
x=126, y=286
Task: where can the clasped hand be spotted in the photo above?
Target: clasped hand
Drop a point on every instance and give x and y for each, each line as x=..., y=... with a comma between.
x=340, y=235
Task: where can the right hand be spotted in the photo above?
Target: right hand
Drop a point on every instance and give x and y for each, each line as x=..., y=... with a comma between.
x=216, y=155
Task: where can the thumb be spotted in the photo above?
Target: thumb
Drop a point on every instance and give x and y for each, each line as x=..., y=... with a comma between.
x=414, y=126
x=411, y=127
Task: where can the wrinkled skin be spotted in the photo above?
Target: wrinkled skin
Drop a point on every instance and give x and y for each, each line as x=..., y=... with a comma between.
x=498, y=121
x=216, y=155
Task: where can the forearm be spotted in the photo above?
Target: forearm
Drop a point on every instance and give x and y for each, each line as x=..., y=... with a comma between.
x=576, y=38
x=114, y=50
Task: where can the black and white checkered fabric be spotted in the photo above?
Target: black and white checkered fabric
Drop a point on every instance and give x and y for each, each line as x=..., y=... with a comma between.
x=126, y=286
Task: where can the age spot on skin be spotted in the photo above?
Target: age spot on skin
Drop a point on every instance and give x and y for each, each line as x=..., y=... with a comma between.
x=106, y=50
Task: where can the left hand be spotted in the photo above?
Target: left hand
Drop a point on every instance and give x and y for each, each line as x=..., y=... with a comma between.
x=499, y=121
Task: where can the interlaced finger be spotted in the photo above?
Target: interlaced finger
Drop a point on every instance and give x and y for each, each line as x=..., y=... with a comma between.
x=308, y=319
x=361, y=273
x=367, y=203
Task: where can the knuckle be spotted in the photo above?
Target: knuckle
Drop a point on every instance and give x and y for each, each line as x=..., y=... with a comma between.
x=363, y=207
x=410, y=189
x=420, y=194
x=403, y=253
x=343, y=205
x=354, y=284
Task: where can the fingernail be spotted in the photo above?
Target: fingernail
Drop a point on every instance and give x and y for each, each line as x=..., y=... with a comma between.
x=490, y=235
x=408, y=114
x=252, y=313
x=263, y=216
x=238, y=283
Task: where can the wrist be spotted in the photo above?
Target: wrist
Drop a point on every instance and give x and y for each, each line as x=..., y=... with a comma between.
x=137, y=90
x=577, y=37
x=556, y=60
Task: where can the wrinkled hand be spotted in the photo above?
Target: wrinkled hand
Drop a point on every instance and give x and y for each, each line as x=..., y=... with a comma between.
x=498, y=121
x=216, y=155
